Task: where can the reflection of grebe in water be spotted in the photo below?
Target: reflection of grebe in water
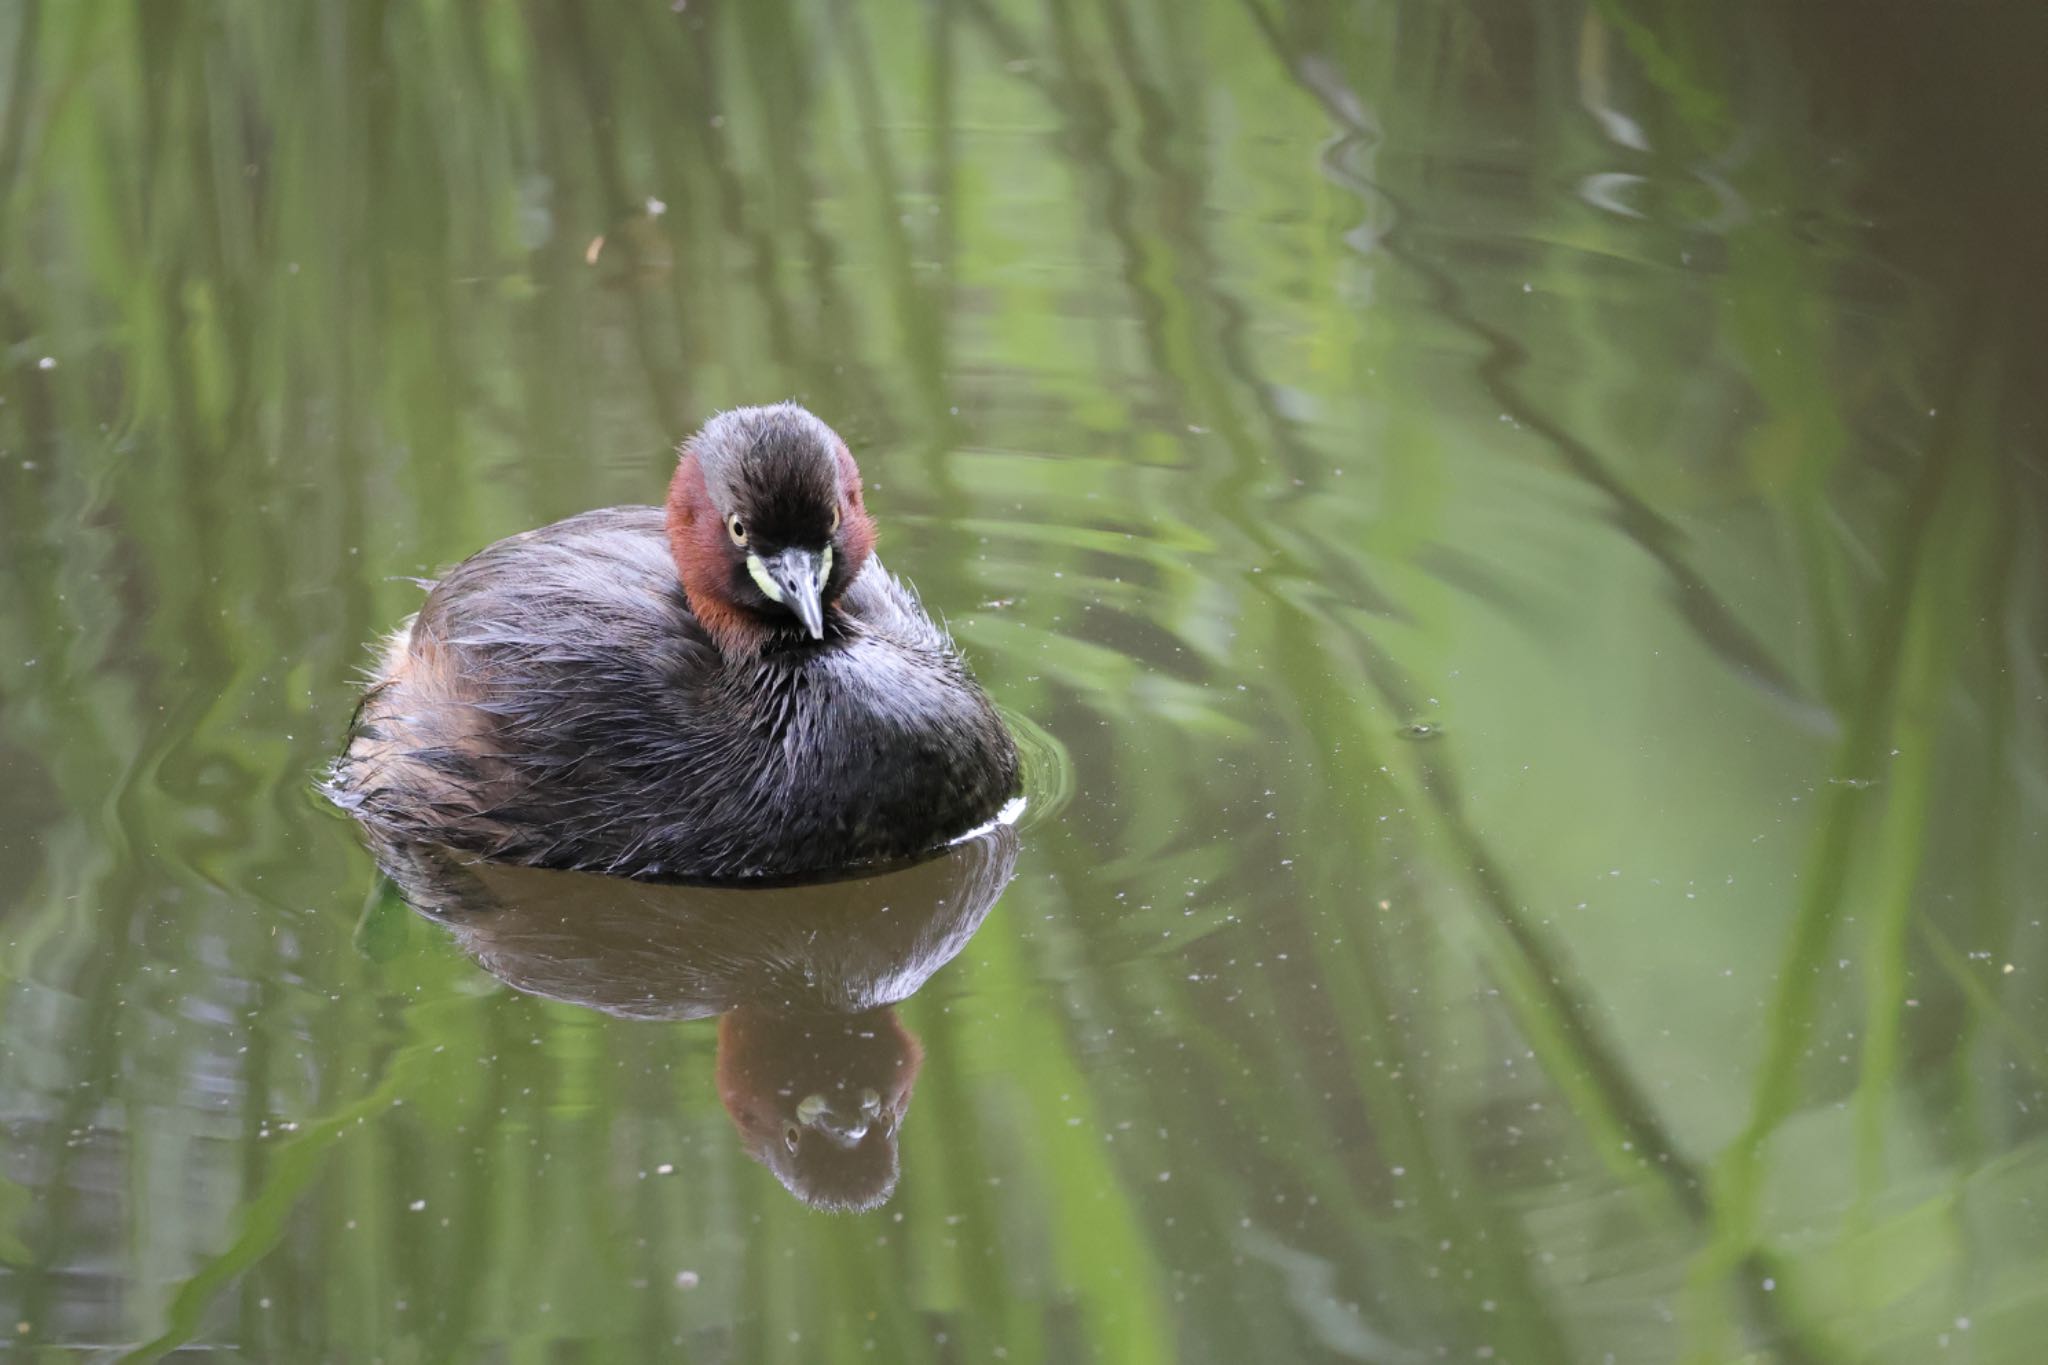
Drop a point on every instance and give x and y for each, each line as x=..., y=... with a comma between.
x=814, y=1067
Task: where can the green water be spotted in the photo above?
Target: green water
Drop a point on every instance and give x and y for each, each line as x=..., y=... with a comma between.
x=1525, y=525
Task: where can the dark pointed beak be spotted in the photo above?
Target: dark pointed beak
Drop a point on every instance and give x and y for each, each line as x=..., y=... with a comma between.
x=800, y=576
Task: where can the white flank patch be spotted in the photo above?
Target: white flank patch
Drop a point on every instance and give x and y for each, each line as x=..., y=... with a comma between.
x=1012, y=810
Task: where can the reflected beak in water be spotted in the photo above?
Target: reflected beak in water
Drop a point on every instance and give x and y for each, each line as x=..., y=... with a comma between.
x=845, y=1124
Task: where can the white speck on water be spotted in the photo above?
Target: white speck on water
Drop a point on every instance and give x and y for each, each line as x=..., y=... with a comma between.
x=665, y=1168
x=1769, y=1285
x=48, y=362
x=686, y=1279
x=417, y=1205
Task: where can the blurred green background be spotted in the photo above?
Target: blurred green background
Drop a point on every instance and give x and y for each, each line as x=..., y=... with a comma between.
x=1527, y=521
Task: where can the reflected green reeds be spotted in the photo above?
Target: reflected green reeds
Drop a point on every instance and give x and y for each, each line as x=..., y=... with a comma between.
x=1644, y=397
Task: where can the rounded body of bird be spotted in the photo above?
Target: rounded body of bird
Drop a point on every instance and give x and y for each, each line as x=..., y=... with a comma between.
x=565, y=698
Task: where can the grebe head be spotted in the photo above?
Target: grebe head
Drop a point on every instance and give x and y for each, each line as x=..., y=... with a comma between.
x=766, y=523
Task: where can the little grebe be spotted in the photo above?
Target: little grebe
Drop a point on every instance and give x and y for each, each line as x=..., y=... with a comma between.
x=729, y=687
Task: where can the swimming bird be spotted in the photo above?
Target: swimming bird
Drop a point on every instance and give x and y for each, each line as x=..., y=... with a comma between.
x=727, y=687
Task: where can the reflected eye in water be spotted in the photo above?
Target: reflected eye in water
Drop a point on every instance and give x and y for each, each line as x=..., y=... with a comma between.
x=814, y=1068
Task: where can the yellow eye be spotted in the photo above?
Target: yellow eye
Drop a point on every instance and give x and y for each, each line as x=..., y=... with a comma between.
x=736, y=530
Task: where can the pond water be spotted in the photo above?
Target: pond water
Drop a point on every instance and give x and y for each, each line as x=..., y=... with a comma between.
x=1519, y=533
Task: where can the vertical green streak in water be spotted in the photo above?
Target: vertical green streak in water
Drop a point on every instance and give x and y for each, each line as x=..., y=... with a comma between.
x=14, y=112
x=348, y=1204
x=1991, y=905
x=1435, y=1154
x=1740, y=1173
x=919, y=320
x=1247, y=1080
x=1176, y=284
x=475, y=1220
x=1098, y=1244
x=960, y=1214
x=869, y=1281
x=256, y=1106
x=511, y=1149
x=1784, y=328
x=1228, y=1081
x=1935, y=634
x=575, y=32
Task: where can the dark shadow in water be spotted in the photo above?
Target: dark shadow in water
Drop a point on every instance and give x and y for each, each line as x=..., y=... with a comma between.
x=814, y=1068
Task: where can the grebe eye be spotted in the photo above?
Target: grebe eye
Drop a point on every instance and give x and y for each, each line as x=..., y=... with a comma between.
x=736, y=529
x=791, y=1136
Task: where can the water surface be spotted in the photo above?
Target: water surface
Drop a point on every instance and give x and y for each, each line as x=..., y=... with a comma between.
x=1525, y=526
